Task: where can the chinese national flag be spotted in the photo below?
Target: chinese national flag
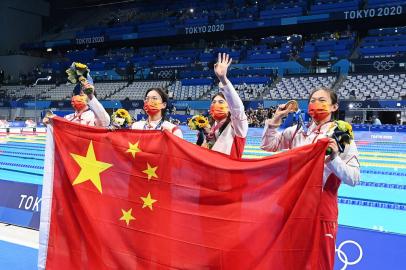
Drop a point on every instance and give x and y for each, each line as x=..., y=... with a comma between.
x=132, y=199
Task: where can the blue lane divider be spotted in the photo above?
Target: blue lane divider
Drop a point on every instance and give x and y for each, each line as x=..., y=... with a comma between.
x=382, y=185
x=383, y=172
x=372, y=203
x=33, y=145
x=22, y=153
x=22, y=165
x=24, y=148
x=15, y=156
x=382, y=151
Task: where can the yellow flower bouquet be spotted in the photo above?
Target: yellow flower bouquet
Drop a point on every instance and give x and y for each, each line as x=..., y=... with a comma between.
x=76, y=71
x=345, y=127
x=121, y=119
x=198, y=122
x=342, y=132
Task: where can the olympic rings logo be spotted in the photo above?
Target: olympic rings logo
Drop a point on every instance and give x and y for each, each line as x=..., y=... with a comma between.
x=356, y=105
x=343, y=256
x=165, y=74
x=384, y=65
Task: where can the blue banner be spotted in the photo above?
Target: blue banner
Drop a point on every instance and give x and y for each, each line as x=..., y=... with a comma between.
x=56, y=43
x=164, y=28
x=394, y=137
x=132, y=104
x=42, y=104
x=205, y=28
x=373, y=65
x=192, y=104
x=17, y=124
x=90, y=40
x=399, y=104
x=390, y=10
x=20, y=203
x=274, y=103
x=111, y=104
x=358, y=249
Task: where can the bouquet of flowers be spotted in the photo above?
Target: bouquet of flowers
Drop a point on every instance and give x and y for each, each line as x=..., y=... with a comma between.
x=78, y=73
x=121, y=119
x=199, y=123
x=342, y=133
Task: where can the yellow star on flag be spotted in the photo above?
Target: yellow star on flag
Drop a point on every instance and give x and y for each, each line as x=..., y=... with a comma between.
x=150, y=171
x=127, y=216
x=133, y=148
x=148, y=201
x=90, y=168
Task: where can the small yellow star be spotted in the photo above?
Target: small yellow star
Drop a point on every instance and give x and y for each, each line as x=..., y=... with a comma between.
x=148, y=201
x=90, y=168
x=133, y=148
x=150, y=171
x=127, y=217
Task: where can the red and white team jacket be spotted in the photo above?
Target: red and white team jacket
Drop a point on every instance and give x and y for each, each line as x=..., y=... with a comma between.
x=174, y=129
x=344, y=168
x=95, y=116
x=232, y=140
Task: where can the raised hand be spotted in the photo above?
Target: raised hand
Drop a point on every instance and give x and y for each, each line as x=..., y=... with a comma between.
x=220, y=68
x=282, y=111
x=86, y=87
x=48, y=118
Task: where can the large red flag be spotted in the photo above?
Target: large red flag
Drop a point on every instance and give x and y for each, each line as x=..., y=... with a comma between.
x=131, y=199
